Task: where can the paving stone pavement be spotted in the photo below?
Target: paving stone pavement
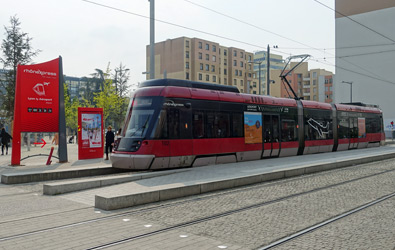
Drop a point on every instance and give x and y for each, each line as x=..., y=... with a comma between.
x=25, y=210
x=372, y=228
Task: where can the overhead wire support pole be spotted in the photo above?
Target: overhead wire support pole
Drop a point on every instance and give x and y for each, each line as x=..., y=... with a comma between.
x=268, y=71
x=152, y=40
x=284, y=76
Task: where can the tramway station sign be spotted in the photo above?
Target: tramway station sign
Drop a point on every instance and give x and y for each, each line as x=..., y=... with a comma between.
x=38, y=98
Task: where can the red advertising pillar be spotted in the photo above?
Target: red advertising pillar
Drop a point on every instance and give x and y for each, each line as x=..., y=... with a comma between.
x=36, y=107
x=90, y=133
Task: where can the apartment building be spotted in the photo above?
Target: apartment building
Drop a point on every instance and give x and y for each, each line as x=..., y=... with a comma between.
x=205, y=61
x=260, y=64
x=314, y=84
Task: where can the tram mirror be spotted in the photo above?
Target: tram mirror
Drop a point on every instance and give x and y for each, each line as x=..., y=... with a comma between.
x=188, y=105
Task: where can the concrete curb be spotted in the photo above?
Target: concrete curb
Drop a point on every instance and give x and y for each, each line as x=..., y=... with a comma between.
x=27, y=177
x=78, y=185
x=181, y=190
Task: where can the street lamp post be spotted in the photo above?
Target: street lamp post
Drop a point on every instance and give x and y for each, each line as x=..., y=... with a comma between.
x=350, y=89
x=259, y=74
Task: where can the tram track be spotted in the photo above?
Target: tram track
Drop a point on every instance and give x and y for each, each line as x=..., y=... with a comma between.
x=188, y=223
x=326, y=222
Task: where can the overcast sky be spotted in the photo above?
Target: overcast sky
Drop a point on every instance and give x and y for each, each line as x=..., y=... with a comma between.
x=89, y=36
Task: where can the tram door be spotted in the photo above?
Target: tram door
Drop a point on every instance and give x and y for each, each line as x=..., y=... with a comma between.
x=271, y=135
x=353, y=133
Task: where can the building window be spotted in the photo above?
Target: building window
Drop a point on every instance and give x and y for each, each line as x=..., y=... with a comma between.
x=214, y=48
x=187, y=43
x=225, y=52
x=225, y=62
x=187, y=76
x=254, y=84
x=207, y=67
x=314, y=81
x=241, y=83
x=234, y=63
x=207, y=57
x=207, y=46
x=241, y=64
x=254, y=92
x=200, y=77
x=214, y=58
x=240, y=73
x=249, y=66
x=212, y=68
x=314, y=74
x=214, y=79
x=241, y=54
x=225, y=81
x=225, y=72
x=235, y=53
x=249, y=58
x=187, y=65
x=234, y=82
x=207, y=78
x=200, y=45
x=200, y=56
x=201, y=66
x=249, y=75
x=187, y=54
x=236, y=72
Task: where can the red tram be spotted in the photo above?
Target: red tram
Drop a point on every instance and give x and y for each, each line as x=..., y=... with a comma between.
x=176, y=123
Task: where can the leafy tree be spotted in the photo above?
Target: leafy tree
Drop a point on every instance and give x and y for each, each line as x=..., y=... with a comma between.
x=16, y=49
x=71, y=110
x=106, y=99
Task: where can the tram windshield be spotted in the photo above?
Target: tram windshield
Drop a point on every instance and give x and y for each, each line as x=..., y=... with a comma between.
x=141, y=118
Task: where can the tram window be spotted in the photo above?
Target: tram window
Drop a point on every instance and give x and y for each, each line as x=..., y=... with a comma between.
x=211, y=125
x=373, y=125
x=267, y=137
x=237, y=125
x=198, y=124
x=343, y=128
x=160, y=132
x=276, y=134
x=288, y=131
x=318, y=125
x=173, y=118
x=353, y=127
x=223, y=125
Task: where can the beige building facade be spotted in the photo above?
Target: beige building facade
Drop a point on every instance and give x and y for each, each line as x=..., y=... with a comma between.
x=205, y=61
x=314, y=84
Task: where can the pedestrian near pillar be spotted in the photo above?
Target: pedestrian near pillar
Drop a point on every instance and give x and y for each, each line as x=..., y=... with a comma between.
x=5, y=139
x=109, y=141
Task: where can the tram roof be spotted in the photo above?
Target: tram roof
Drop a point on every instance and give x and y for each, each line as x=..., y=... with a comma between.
x=188, y=84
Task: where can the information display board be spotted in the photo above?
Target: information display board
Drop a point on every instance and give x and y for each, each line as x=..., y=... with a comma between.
x=37, y=104
x=38, y=89
x=90, y=133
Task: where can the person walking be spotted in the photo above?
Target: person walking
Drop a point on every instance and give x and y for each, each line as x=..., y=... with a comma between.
x=109, y=141
x=5, y=139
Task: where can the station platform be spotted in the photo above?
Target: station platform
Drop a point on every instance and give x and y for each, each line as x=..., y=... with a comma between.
x=129, y=189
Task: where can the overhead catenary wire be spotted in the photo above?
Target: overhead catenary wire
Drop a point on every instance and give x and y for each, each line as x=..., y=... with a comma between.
x=226, y=38
x=361, y=24
x=278, y=51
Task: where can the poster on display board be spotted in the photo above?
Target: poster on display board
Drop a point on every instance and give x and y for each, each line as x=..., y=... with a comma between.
x=90, y=133
x=252, y=127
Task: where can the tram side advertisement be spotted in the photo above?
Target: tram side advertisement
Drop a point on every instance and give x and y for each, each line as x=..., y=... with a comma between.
x=252, y=127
